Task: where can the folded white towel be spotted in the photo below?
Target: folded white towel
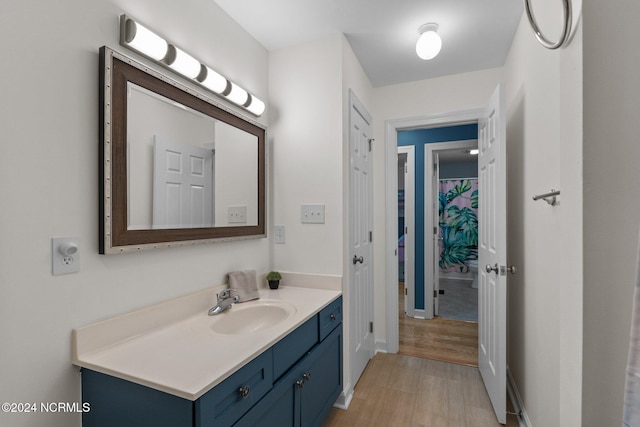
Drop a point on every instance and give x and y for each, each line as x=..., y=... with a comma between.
x=245, y=284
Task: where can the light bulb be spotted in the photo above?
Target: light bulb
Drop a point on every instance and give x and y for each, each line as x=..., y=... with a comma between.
x=145, y=41
x=183, y=63
x=213, y=81
x=429, y=43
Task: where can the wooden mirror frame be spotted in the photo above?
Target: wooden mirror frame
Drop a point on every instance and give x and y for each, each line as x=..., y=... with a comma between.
x=116, y=70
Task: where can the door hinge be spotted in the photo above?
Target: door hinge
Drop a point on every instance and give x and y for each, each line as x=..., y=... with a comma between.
x=370, y=327
x=371, y=236
x=406, y=168
x=371, y=143
x=406, y=291
x=435, y=293
x=435, y=230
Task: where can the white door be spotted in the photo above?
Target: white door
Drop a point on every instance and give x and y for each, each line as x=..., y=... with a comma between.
x=409, y=230
x=182, y=185
x=360, y=238
x=492, y=254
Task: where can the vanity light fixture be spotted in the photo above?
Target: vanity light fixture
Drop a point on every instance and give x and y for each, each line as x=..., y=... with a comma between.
x=474, y=151
x=238, y=95
x=429, y=43
x=143, y=40
x=146, y=42
x=213, y=81
x=182, y=62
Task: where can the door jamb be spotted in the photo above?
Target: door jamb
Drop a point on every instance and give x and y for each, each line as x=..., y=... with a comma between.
x=391, y=181
x=410, y=221
x=429, y=220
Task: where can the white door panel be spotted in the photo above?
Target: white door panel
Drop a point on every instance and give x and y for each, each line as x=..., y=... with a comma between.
x=360, y=238
x=182, y=185
x=492, y=253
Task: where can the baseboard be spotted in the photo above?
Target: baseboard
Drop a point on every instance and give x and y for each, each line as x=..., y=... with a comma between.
x=516, y=401
x=344, y=399
x=381, y=346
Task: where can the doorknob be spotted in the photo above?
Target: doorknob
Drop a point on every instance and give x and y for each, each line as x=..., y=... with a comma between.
x=489, y=269
x=511, y=269
x=357, y=260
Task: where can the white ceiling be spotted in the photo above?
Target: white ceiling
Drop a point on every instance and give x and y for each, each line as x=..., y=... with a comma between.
x=476, y=34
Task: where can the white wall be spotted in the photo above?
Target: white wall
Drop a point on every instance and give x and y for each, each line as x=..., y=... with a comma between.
x=544, y=152
x=308, y=136
x=408, y=100
x=611, y=202
x=49, y=176
x=305, y=137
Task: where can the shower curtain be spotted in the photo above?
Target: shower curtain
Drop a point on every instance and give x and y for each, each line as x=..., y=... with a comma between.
x=458, y=224
x=631, y=414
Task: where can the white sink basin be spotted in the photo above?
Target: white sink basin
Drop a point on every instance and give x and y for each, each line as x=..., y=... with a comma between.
x=245, y=318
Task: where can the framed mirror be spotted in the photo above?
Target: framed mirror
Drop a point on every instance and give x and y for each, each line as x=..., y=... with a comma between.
x=176, y=167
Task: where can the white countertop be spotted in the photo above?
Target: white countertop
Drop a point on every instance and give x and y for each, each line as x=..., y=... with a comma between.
x=171, y=346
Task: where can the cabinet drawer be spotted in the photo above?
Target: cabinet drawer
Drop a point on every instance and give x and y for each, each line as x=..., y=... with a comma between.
x=330, y=317
x=225, y=404
x=294, y=346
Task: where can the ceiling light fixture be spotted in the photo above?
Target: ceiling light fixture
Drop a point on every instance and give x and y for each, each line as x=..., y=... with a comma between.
x=429, y=43
x=142, y=40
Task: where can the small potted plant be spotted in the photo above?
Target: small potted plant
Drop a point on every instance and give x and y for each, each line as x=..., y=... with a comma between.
x=273, y=277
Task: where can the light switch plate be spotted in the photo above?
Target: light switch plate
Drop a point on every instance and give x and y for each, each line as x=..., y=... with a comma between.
x=312, y=214
x=237, y=214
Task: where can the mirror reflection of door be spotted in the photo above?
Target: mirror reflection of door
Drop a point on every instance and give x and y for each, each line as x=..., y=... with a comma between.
x=183, y=190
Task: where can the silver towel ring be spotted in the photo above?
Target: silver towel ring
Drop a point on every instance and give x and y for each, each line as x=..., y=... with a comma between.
x=566, y=31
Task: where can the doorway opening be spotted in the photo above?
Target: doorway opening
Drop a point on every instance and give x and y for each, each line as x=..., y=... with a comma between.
x=437, y=223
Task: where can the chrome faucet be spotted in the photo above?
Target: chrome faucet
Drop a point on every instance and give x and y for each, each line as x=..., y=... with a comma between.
x=225, y=300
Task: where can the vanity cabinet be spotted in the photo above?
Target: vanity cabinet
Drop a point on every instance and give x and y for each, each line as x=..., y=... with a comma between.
x=304, y=396
x=293, y=383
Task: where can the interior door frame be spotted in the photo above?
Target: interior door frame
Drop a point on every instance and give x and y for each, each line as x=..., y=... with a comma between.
x=391, y=180
x=409, y=222
x=430, y=209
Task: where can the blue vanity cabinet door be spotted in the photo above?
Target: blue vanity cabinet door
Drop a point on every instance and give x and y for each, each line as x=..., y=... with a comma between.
x=294, y=346
x=323, y=381
x=305, y=395
x=225, y=403
x=277, y=408
x=330, y=317
x=118, y=402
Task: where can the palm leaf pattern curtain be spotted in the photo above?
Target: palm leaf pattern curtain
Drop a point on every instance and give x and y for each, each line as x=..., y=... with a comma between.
x=458, y=224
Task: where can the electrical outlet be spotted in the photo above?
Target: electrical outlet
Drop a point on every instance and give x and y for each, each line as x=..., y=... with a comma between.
x=65, y=255
x=278, y=234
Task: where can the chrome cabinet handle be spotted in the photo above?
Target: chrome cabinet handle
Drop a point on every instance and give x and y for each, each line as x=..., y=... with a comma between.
x=333, y=316
x=358, y=260
x=300, y=383
x=244, y=391
x=307, y=376
x=489, y=269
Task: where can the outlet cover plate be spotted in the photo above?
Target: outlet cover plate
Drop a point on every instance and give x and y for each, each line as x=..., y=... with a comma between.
x=278, y=234
x=64, y=264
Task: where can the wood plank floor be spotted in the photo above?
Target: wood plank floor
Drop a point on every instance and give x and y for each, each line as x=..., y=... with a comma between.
x=397, y=390
x=447, y=340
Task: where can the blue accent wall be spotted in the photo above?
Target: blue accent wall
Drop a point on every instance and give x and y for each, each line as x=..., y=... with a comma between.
x=418, y=138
